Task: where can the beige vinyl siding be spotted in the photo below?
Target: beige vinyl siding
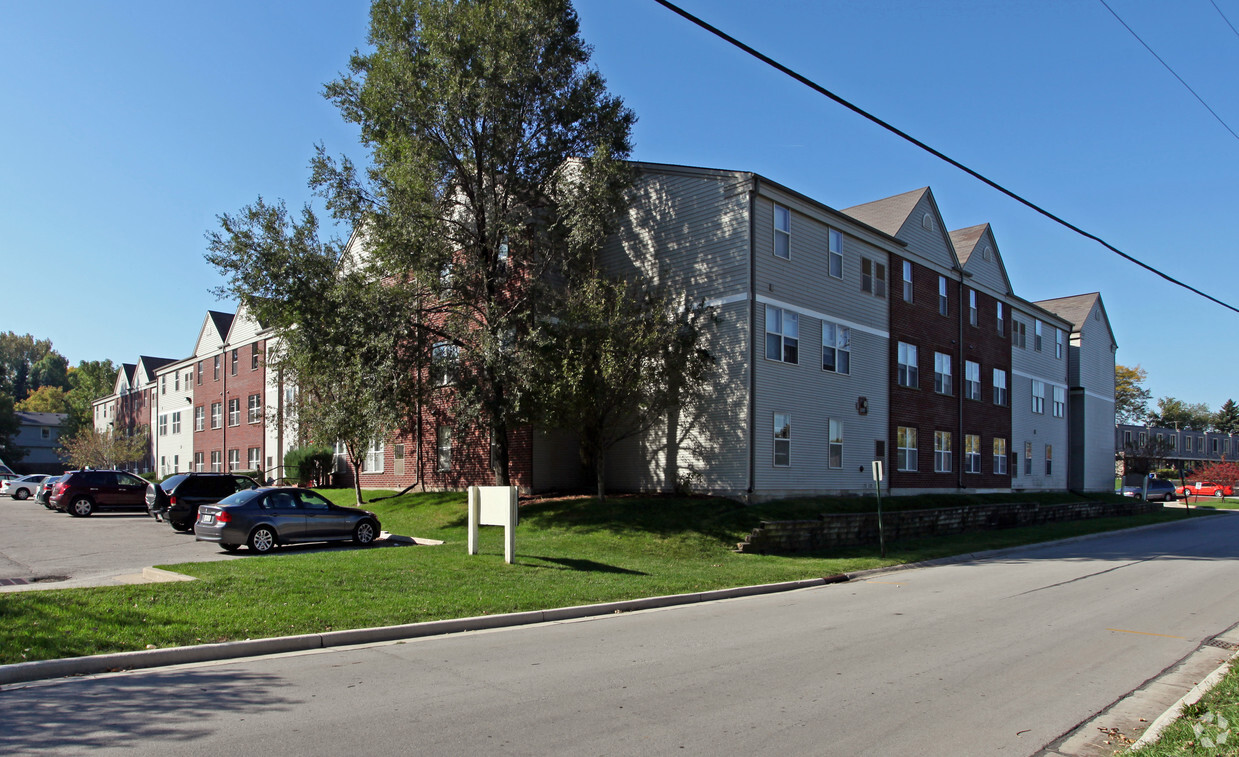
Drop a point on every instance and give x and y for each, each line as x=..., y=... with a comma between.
x=244, y=329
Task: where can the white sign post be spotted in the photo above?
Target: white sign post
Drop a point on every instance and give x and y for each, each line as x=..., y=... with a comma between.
x=493, y=506
x=877, y=484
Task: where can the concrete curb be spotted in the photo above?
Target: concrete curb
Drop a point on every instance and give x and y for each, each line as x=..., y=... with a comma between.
x=1154, y=731
x=24, y=672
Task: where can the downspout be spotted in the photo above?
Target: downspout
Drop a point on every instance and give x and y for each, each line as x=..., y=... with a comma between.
x=752, y=336
x=963, y=378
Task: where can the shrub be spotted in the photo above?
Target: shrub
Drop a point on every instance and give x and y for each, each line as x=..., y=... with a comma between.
x=309, y=464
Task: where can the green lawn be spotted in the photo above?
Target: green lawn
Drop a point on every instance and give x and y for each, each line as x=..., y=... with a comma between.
x=1209, y=727
x=569, y=552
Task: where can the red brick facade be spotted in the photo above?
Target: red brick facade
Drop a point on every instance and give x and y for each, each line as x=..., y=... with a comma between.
x=920, y=323
x=225, y=384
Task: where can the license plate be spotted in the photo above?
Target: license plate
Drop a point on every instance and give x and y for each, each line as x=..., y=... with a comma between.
x=208, y=519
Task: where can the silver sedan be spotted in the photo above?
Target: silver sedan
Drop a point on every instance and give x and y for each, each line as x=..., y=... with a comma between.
x=264, y=518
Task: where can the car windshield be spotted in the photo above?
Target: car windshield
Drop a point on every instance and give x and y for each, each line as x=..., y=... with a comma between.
x=240, y=498
x=170, y=482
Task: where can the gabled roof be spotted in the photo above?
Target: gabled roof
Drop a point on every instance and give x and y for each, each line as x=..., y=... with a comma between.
x=888, y=215
x=147, y=366
x=1076, y=309
x=214, y=331
x=978, y=239
x=222, y=322
x=965, y=240
x=124, y=377
x=40, y=419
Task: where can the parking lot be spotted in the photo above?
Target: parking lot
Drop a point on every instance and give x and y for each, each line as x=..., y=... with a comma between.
x=45, y=549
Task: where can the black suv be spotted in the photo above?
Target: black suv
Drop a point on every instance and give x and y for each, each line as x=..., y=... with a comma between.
x=82, y=492
x=176, y=498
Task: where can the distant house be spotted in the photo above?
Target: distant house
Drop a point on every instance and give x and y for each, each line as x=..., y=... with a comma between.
x=39, y=435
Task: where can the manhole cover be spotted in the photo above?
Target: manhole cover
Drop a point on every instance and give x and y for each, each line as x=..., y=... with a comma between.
x=1216, y=642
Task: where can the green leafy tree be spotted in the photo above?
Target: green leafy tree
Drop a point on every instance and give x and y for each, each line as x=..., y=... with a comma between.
x=10, y=453
x=496, y=162
x=1226, y=420
x=617, y=359
x=1131, y=398
x=1139, y=459
x=45, y=399
x=344, y=338
x=29, y=363
x=1175, y=413
x=88, y=381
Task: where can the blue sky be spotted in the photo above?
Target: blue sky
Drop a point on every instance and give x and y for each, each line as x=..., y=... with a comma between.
x=129, y=126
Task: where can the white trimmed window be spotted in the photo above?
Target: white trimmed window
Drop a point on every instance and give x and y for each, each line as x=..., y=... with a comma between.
x=163, y=425
x=1058, y=343
x=943, y=303
x=972, y=306
x=234, y=459
x=1037, y=335
x=217, y=461
x=163, y=386
x=942, y=373
x=1038, y=396
x=905, y=445
x=443, y=363
x=255, y=408
x=782, y=440
x=254, y=367
x=907, y=375
x=1027, y=458
x=972, y=380
x=782, y=335
x=233, y=363
x=907, y=281
x=1000, y=456
x=234, y=411
x=873, y=277
x=835, y=253
x=176, y=422
x=836, y=348
x=374, y=457
x=1019, y=334
x=1000, y=386
x=198, y=462
x=1002, y=324
x=782, y=232
x=1049, y=460
x=217, y=414
x=835, y=452
x=443, y=448
x=972, y=453
x=255, y=458
x=1060, y=402
x=942, y=452
x=199, y=418
x=176, y=381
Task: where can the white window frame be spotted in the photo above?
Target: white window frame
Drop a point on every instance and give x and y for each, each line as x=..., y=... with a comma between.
x=906, y=450
x=907, y=281
x=199, y=418
x=373, y=462
x=782, y=438
x=837, y=344
x=1060, y=401
x=834, y=442
x=907, y=373
x=972, y=380
x=1002, y=325
x=1038, y=396
x=163, y=424
x=198, y=463
x=1019, y=333
x=1000, y=456
x=234, y=460
x=254, y=409
x=253, y=459
x=944, y=304
x=1037, y=334
x=783, y=333
x=443, y=357
x=834, y=253
x=973, y=318
x=176, y=422
x=1027, y=458
x=1058, y=343
x=782, y=232
x=217, y=461
x=217, y=415
x=972, y=453
x=1000, y=387
x=942, y=452
x=873, y=277
x=942, y=373
x=443, y=448
x=234, y=411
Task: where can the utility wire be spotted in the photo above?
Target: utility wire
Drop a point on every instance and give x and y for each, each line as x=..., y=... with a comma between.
x=1223, y=15
x=904, y=135
x=1171, y=70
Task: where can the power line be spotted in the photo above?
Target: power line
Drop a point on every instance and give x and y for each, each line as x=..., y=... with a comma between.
x=904, y=135
x=1171, y=70
x=1223, y=15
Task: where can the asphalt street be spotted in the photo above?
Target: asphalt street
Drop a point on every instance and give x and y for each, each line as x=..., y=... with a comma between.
x=993, y=656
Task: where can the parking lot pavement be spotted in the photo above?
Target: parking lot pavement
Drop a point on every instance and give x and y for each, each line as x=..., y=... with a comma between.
x=45, y=549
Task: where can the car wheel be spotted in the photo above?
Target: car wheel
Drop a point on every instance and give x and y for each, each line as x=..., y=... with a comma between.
x=21, y=494
x=181, y=526
x=81, y=507
x=262, y=540
x=229, y=547
x=365, y=533
x=1217, y=494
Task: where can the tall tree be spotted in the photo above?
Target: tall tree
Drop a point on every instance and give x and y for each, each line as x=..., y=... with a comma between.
x=496, y=161
x=1226, y=420
x=1131, y=398
x=27, y=365
x=10, y=453
x=344, y=338
x=1175, y=413
x=616, y=359
x=45, y=399
x=105, y=449
x=88, y=381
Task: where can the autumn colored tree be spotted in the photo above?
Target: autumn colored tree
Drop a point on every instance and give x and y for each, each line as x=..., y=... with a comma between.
x=1131, y=399
x=45, y=399
x=104, y=449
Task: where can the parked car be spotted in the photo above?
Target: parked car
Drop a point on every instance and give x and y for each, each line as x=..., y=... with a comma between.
x=1205, y=489
x=5, y=479
x=24, y=487
x=82, y=492
x=1160, y=490
x=176, y=498
x=264, y=518
x=44, y=492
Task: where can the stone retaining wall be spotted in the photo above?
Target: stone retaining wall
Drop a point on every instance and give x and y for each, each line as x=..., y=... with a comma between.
x=853, y=529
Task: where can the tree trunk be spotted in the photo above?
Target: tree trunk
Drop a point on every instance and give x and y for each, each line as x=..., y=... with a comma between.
x=499, y=451
x=600, y=470
x=357, y=479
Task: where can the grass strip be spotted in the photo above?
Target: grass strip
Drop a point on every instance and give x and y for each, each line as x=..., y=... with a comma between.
x=1208, y=727
x=570, y=551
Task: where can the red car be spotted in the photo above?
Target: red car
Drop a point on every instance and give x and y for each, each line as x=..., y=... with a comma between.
x=1205, y=489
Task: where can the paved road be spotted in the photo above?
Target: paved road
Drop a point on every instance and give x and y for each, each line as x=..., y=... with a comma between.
x=50, y=549
x=992, y=657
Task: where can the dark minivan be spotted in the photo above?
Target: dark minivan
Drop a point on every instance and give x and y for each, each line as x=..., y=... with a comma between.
x=176, y=498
